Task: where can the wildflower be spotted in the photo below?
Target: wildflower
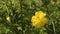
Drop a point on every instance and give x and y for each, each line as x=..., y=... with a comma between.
x=8, y=18
x=40, y=14
x=39, y=19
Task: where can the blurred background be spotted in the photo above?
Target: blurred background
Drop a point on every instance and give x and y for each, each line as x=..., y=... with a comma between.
x=15, y=16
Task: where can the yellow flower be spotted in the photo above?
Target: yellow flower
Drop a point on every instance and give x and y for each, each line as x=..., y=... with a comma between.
x=8, y=18
x=34, y=20
x=40, y=14
x=39, y=19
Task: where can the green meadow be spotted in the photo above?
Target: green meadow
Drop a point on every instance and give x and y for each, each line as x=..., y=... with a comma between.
x=15, y=16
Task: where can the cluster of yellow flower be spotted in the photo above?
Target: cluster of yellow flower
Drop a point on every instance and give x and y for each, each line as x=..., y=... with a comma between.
x=39, y=19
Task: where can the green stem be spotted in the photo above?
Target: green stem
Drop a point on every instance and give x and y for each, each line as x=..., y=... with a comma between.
x=54, y=27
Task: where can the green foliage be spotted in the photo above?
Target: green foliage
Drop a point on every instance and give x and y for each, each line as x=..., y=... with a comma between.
x=20, y=13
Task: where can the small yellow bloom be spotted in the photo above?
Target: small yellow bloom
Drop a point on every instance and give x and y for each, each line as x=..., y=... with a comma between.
x=39, y=19
x=40, y=14
x=34, y=20
x=8, y=18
